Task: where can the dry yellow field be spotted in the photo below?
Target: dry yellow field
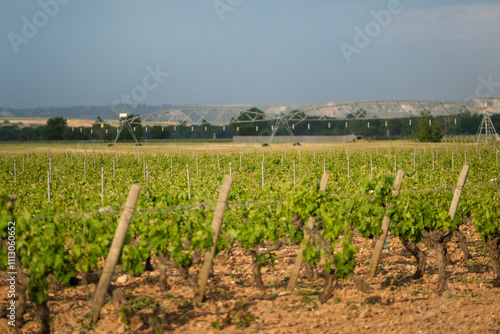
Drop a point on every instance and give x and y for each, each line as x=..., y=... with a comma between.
x=223, y=147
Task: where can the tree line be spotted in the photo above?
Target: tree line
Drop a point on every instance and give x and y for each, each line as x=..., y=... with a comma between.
x=422, y=128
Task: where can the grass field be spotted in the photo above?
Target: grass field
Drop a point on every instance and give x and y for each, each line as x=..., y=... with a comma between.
x=153, y=147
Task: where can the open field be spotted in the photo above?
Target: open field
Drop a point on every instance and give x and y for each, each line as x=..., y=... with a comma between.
x=166, y=147
x=42, y=121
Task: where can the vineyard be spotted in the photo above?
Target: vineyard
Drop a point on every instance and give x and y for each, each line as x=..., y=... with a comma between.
x=351, y=237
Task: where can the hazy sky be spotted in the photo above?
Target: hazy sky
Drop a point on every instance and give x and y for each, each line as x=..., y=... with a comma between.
x=70, y=52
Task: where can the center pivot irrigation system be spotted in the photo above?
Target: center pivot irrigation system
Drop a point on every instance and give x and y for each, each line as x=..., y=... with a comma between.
x=289, y=115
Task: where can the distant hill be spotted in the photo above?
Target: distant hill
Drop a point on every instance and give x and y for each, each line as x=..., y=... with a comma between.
x=90, y=112
x=392, y=109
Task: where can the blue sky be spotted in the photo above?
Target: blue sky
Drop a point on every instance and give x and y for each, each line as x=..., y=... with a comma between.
x=246, y=51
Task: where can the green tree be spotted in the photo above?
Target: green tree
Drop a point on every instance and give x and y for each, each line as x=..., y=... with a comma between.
x=252, y=114
x=76, y=134
x=252, y=117
x=33, y=133
x=9, y=133
x=425, y=113
x=247, y=130
x=360, y=113
x=206, y=129
x=466, y=122
x=426, y=132
x=54, y=130
x=159, y=132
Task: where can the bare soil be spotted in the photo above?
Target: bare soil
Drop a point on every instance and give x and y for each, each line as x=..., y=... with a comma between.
x=396, y=303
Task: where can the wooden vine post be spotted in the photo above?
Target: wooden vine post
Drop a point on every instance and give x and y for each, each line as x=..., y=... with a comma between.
x=458, y=191
x=115, y=251
x=199, y=291
x=310, y=225
x=386, y=224
x=445, y=235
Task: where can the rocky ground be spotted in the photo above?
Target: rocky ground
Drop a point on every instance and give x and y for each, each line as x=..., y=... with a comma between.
x=395, y=304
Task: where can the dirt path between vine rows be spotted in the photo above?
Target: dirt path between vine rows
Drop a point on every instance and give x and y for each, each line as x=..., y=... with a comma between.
x=395, y=304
